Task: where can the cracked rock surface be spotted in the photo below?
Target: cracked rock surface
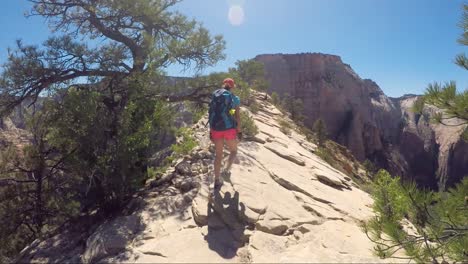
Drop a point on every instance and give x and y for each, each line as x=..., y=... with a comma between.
x=280, y=203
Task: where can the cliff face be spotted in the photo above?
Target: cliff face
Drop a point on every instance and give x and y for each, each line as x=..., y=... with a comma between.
x=360, y=116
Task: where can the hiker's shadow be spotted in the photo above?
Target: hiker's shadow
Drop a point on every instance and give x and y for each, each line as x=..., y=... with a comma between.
x=226, y=224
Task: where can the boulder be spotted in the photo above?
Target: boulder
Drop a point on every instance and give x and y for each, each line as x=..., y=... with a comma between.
x=184, y=168
x=111, y=238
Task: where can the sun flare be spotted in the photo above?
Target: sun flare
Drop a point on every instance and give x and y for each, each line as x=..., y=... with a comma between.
x=236, y=15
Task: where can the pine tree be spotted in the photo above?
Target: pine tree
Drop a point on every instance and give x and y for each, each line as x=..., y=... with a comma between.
x=117, y=89
x=104, y=98
x=249, y=75
x=455, y=105
x=445, y=96
x=425, y=226
x=320, y=130
x=440, y=220
x=35, y=194
x=253, y=74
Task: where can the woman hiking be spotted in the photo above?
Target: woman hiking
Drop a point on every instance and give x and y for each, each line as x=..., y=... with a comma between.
x=224, y=119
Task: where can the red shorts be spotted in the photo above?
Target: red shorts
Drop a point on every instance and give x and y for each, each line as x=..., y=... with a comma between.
x=229, y=134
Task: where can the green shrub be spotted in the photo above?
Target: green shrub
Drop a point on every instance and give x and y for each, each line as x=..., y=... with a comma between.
x=244, y=94
x=370, y=167
x=326, y=155
x=152, y=172
x=418, y=105
x=465, y=134
x=366, y=187
x=275, y=99
x=254, y=107
x=198, y=110
x=285, y=127
x=157, y=172
x=307, y=133
x=185, y=143
x=248, y=126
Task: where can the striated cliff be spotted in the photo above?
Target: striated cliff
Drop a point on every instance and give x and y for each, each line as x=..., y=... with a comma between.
x=360, y=116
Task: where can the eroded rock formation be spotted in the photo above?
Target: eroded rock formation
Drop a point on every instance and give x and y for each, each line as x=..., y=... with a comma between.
x=360, y=116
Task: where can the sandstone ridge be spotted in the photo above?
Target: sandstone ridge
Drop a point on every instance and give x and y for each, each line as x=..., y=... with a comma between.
x=280, y=203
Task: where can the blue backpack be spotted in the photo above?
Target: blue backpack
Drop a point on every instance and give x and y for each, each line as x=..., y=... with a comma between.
x=219, y=117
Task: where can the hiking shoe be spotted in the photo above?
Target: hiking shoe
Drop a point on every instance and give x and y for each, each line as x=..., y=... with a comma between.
x=226, y=174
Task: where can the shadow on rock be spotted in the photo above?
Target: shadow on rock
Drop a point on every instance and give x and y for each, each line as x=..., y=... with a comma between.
x=226, y=229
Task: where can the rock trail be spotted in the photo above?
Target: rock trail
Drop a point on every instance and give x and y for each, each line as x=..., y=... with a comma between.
x=281, y=203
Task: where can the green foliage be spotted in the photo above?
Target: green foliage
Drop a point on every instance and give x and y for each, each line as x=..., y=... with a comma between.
x=366, y=187
x=253, y=74
x=14, y=235
x=248, y=74
x=244, y=94
x=297, y=110
x=454, y=104
x=186, y=141
x=287, y=102
x=105, y=146
x=440, y=221
x=320, y=130
x=389, y=196
x=152, y=173
x=161, y=169
x=307, y=132
x=446, y=97
x=285, y=127
x=370, y=167
x=157, y=172
x=418, y=106
x=294, y=106
x=250, y=70
x=242, y=88
x=198, y=110
x=105, y=109
x=248, y=127
x=254, y=107
x=275, y=99
x=35, y=195
x=260, y=85
x=327, y=156
x=341, y=159
x=154, y=38
x=465, y=134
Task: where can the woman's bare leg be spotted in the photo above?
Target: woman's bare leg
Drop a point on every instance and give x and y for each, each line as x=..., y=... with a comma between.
x=232, y=146
x=219, y=144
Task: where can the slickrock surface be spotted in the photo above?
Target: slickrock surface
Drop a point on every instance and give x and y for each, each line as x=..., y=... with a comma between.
x=280, y=203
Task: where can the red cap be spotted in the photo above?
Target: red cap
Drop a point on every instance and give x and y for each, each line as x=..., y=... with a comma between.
x=229, y=82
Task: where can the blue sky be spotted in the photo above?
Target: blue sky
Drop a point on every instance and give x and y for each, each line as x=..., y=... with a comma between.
x=401, y=44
